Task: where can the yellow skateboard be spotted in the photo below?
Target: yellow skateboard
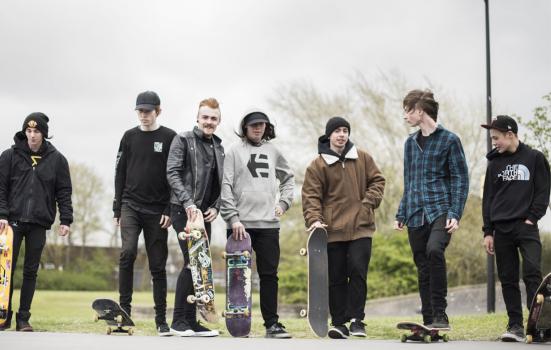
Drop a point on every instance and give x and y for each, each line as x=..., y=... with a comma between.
x=6, y=259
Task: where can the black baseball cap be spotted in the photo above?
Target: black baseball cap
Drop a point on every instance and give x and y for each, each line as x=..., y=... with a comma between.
x=502, y=123
x=256, y=117
x=147, y=100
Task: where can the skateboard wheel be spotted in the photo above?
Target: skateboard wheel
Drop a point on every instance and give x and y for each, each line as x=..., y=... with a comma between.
x=224, y=313
x=529, y=339
x=427, y=338
x=224, y=255
x=404, y=338
x=108, y=331
x=191, y=299
x=96, y=318
x=445, y=338
x=130, y=331
x=118, y=319
x=302, y=251
x=247, y=254
x=303, y=313
x=539, y=298
x=182, y=236
x=246, y=313
x=205, y=299
x=195, y=234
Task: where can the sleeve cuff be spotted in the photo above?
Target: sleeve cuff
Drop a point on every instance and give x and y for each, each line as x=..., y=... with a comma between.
x=283, y=205
x=234, y=219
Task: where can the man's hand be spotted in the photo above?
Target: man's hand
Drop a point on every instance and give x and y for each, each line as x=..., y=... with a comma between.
x=279, y=211
x=452, y=225
x=489, y=244
x=314, y=226
x=117, y=221
x=165, y=221
x=64, y=230
x=210, y=214
x=191, y=213
x=398, y=225
x=3, y=225
x=238, y=231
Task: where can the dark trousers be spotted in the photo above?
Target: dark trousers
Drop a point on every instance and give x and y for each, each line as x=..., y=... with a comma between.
x=509, y=239
x=184, y=311
x=132, y=224
x=348, y=267
x=265, y=243
x=428, y=244
x=35, y=240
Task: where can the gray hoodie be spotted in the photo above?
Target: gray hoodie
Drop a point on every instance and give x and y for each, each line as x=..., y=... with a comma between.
x=250, y=186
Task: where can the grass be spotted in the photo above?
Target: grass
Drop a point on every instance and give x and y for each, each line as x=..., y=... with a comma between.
x=61, y=311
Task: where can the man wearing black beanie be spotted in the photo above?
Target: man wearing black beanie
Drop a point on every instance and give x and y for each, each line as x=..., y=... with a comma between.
x=34, y=175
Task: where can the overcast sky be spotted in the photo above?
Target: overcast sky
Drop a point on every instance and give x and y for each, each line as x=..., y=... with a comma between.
x=83, y=62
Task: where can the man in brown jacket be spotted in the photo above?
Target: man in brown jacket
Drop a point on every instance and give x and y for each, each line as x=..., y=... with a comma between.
x=342, y=187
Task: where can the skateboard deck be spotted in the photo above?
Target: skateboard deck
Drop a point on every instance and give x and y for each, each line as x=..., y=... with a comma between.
x=420, y=332
x=6, y=260
x=538, y=328
x=116, y=318
x=200, y=264
x=318, y=282
x=238, y=255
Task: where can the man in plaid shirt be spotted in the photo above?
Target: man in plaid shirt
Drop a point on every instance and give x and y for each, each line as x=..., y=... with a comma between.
x=436, y=184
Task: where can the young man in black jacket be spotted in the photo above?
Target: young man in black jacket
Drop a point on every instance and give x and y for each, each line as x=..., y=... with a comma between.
x=516, y=197
x=194, y=171
x=34, y=175
x=142, y=201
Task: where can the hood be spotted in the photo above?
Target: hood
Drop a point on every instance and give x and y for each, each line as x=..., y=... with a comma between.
x=331, y=157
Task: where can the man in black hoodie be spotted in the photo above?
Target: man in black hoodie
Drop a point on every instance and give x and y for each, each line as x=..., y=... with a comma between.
x=34, y=175
x=516, y=197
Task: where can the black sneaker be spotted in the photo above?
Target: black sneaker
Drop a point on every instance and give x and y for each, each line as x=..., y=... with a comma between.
x=163, y=330
x=22, y=322
x=202, y=331
x=357, y=328
x=277, y=330
x=338, y=332
x=440, y=320
x=181, y=329
x=514, y=333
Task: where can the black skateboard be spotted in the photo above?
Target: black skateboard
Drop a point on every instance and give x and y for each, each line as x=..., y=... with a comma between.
x=111, y=312
x=420, y=332
x=318, y=283
x=538, y=328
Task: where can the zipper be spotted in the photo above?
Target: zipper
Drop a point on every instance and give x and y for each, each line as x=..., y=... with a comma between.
x=28, y=213
x=196, y=167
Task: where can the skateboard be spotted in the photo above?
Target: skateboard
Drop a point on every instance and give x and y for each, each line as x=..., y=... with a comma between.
x=200, y=264
x=238, y=256
x=6, y=259
x=420, y=332
x=318, y=283
x=538, y=328
x=111, y=312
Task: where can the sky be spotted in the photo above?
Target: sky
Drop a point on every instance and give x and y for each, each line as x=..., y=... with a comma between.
x=84, y=62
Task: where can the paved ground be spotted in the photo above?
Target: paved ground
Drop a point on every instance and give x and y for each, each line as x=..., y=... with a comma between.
x=72, y=341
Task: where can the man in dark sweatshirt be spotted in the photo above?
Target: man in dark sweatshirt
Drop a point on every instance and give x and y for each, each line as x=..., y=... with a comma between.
x=516, y=197
x=141, y=202
x=34, y=175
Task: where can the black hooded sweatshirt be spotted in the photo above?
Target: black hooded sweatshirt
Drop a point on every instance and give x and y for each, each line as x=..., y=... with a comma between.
x=31, y=184
x=516, y=187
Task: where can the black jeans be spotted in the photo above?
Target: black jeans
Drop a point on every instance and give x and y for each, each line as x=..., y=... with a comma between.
x=265, y=243
x=348, y=266
x=184, y=311
x=509, y=239
x=132, y=223
x=428, y=244
x=35, y=240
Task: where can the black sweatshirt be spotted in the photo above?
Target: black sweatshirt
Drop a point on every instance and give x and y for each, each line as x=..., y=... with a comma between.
x=516, y=187
x=140, y=171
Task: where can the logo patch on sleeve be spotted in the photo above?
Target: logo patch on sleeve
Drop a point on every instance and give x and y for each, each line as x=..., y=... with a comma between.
x=158, y=146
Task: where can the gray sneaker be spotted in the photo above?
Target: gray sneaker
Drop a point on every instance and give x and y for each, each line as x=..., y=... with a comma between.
x=514, y=333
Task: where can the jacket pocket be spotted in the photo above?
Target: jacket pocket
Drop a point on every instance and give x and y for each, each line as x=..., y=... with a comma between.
x=365, y=216
x=327, y=213
x=256, y=206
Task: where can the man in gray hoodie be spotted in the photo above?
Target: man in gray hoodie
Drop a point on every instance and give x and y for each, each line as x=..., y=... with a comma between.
x=252, y=169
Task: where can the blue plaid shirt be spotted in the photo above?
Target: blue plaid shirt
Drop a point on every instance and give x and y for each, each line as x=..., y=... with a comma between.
x=436, y=179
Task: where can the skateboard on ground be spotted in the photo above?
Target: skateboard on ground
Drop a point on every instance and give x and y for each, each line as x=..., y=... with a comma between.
x=238, y=255
x=200, y=264
x=538, y=328
x=318, y=283
x=112, y=313
x=420, y=332
x=6, y=260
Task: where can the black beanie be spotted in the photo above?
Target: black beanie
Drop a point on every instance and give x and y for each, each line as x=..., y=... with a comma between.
x=37, y=120
x=335, y=122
